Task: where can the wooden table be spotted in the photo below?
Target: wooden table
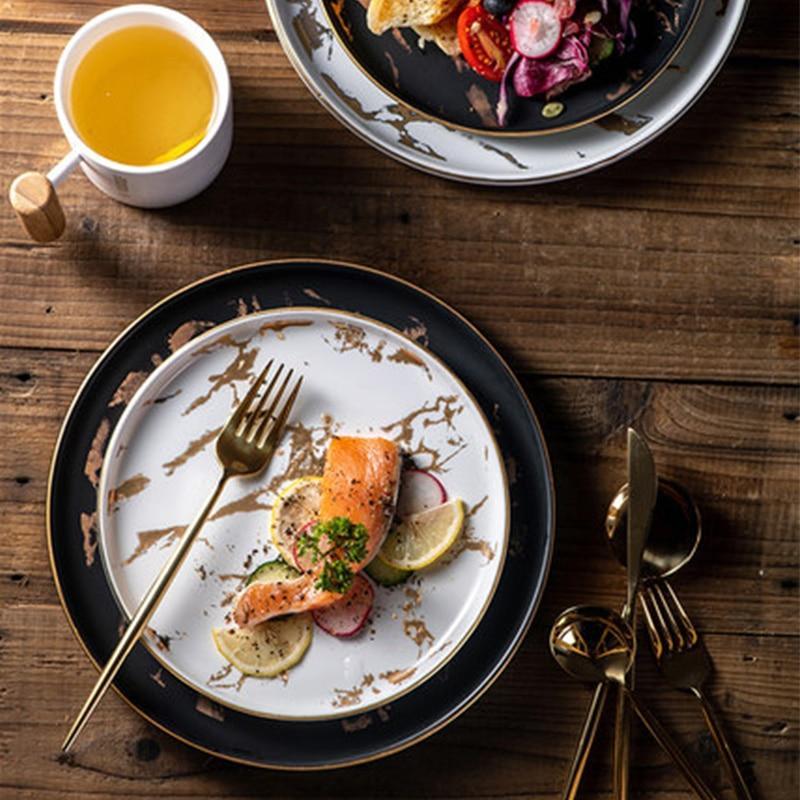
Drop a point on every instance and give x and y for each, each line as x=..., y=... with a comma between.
x=661, y=292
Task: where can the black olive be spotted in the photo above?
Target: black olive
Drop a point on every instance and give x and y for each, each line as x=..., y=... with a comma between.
x=499, y=8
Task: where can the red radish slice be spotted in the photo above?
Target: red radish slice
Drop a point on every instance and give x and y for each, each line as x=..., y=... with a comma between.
x=346, y=617
x=419, y=490
x=535, y=29
x=304, y=562
x=564, y=8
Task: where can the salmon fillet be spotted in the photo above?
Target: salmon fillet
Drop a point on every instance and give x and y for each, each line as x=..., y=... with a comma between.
x=360, y=482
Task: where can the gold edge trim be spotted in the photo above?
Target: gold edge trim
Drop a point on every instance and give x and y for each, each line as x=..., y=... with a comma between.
x=501, y=666
x=500, y=134
x=355, y=317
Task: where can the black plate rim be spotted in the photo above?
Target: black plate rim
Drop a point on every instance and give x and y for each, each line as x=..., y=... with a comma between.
x=501, y=662
x=498, y=133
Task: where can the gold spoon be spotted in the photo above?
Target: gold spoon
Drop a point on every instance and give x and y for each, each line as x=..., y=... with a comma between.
x=675, y=531
x=595, y=644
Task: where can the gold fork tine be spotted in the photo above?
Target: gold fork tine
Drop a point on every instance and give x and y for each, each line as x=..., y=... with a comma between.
x=275, y=431
x=680, y=616
x=650, y=623
x=674, y=625
x=270, y=412
x=250, y=420
x=241, y=409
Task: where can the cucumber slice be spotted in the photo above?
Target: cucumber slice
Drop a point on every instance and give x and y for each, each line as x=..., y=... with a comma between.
x=268, y=649
x=275, y=570
x=385, y=575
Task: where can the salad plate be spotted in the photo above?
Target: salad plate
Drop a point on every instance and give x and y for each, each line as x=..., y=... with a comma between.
x=440, y=149
x=94, y=590
x=602, y=55
x=361, y=378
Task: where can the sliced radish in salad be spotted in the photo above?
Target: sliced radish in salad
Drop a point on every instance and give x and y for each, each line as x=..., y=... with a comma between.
x=535, y=29
x=419, y=490
x=346, y=617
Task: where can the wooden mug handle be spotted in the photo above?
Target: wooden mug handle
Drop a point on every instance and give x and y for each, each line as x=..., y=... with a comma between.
x=34, y=198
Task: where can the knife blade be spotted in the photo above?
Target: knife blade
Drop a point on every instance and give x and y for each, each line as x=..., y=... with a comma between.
x=642, y=494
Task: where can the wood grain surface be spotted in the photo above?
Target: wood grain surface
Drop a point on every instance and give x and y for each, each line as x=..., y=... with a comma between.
x=662, y=291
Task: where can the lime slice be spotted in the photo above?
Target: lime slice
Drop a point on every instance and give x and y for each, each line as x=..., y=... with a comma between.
x=268, y=649
x=385, y=575
x=271, y=571
x=419, y=539
x=296, y=505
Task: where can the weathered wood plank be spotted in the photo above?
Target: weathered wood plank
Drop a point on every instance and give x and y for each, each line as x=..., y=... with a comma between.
x=514, y=743
x=693, y=240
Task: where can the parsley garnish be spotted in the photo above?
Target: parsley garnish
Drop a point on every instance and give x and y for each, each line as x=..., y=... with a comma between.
x=336, y=543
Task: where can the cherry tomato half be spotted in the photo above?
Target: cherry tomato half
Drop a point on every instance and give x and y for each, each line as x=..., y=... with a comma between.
x=484, y=42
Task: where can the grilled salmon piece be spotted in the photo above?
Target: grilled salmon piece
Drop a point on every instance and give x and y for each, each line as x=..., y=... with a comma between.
x=360, y=482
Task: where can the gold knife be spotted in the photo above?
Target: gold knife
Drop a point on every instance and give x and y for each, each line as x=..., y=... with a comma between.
x=642, y=494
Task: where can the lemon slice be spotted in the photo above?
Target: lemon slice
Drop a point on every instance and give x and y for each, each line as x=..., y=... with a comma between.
x=296, y=505
x=268, y=649
x=419, y=539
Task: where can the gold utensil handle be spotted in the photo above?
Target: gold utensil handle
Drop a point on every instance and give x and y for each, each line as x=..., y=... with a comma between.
x=667, y=743
x=622, y=747
x=585, y=740
x=721, y=741
x=141, y=616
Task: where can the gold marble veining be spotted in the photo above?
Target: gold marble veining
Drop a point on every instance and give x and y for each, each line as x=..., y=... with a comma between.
x=186, y=332
x=192, y=449
x=350, y=697
x=209, y=708
x=405, y=356
x=127, y=489
x=310, y=33
x=128, y=388
x=94, y=458
x=239, y=368
x=315, y=295
x=468, y=540
x=616, y=123
x=349, y=337
x=150, y=538
x=357, y=724
x=88, y=523
x=280, y=325
x=157, y=678
x=417, y=331
x=482, y=106
x=396, y=676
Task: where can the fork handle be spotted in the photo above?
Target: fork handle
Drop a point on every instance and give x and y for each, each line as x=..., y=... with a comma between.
x=622, y=747
x=142, y=615
x=724, y=748
x=585, y=741
x=667, y=743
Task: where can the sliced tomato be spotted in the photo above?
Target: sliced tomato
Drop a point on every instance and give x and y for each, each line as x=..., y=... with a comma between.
x=484, y=42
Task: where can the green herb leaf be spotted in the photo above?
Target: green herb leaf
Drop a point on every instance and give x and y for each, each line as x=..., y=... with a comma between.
x=336, y=543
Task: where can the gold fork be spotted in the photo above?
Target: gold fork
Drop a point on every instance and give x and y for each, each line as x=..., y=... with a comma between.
x=683, y=660
x=245, y=447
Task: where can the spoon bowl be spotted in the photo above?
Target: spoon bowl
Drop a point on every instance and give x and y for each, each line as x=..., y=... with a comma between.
x=674, y=535
x=593, y=644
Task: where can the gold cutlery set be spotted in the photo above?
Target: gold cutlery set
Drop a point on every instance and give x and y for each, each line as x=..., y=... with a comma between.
x=654, y=528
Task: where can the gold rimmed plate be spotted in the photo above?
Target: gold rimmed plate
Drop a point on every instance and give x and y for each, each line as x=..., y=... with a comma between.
x=90, y=599
x=361, y=378
x=439, y=87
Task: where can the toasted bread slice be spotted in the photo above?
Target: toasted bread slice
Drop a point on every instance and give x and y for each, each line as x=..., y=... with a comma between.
x=385, y=14
x=443, y=33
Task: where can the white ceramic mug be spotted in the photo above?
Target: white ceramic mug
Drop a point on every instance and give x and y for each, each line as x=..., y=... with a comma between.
x=33, y=195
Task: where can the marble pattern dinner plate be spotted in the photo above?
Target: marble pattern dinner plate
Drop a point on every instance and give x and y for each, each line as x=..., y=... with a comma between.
x=361, y=378
x=398, y=131
x=73, y=508
x=445, y=89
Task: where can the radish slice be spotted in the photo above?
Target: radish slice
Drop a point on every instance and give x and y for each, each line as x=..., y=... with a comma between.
x=419, y=490
x=535, y=29
x=346, y=617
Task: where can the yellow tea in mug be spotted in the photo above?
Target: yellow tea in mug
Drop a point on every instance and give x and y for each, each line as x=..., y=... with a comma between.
x=142, y=95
